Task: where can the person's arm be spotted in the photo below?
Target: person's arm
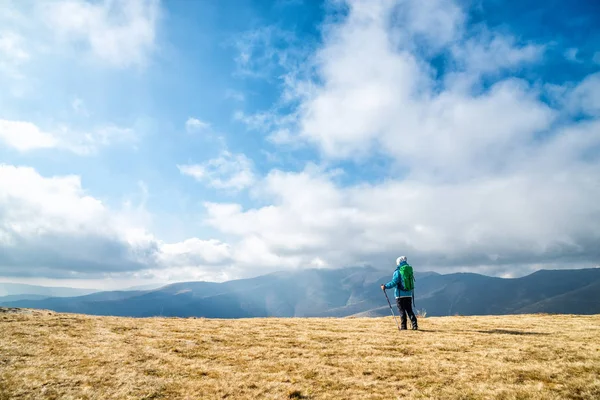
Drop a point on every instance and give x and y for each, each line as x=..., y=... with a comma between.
x=394, y=281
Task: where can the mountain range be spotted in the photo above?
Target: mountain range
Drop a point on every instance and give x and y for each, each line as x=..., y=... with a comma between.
x=21, y=291
x=341, y=292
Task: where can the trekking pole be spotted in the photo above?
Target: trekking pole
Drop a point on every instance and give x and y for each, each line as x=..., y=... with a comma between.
x=390, y=304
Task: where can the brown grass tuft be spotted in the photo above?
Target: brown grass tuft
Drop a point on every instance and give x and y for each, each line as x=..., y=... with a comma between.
x=66, y=356
x=296, y=394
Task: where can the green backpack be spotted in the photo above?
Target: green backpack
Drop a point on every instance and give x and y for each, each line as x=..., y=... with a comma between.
x=407, y=277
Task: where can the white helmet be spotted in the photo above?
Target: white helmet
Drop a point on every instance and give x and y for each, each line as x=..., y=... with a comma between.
x=400, y=259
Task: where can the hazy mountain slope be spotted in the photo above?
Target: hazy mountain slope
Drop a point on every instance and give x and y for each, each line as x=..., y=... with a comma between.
x=81, y=304
x=584, y=300
x=297, y=293
x=17, y=297
x=9, y=289
x=300, y=293
x=340, y=293
x=471, y=294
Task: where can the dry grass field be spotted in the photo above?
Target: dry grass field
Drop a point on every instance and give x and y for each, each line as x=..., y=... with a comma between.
x=46, y=355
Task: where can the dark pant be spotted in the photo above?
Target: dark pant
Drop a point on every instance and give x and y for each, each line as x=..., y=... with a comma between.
x=405, y=307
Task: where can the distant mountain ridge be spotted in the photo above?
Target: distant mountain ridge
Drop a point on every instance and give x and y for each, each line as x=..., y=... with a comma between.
x=342, y=293
x=16, y=291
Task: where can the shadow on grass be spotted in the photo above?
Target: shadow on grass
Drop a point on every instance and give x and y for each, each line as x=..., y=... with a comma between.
x=518, y=333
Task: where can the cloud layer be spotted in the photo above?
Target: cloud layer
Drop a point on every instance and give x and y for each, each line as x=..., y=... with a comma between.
x=50, y=227
x=488, y=170
x=228, y=171
x=25, y=136
x=121, y=34
x=116, y=34
x=490, y=173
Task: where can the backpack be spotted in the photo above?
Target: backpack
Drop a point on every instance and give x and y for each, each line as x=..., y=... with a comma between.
x=407, y=279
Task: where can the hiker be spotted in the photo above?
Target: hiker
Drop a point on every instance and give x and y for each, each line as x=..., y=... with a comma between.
x=403, y=277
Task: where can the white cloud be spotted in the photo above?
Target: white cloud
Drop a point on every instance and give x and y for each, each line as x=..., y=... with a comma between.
x=193, y=252
x=266, y=51
x=11, y=47
x=235, y=95
x=228, y=171
x=258, y=121
x=12, y=53
x=85, y=143
x=121, y=34
x=492, y=52
x=481, y=187
x=279, y=128
x=585, y=97
x=571, y=55
x=257, y=51
x=374, y=96
x=281, y=137
x=493, y=178
x=194, y=124
x=26, y=136
x=79, y=107
x=438, y=22
x=50, y=227
x=488, y=222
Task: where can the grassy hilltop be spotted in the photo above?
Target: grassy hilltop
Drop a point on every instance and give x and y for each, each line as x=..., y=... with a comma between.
x=46, y=355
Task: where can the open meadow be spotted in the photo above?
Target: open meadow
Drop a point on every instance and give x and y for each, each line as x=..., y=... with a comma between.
x=47, y=355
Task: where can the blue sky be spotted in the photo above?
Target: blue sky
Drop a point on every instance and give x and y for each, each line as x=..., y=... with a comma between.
x=148, y=141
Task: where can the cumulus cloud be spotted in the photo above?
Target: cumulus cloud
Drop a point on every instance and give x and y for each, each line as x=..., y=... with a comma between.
x=13, y=53
x=11, y=47
x=50, y=227
x=194, y=124
x=493, y=174
x=26, y=136
x=260, y=50
x=118, y=34
x=585, y=97
x=228, y=171
x=505, y=220
x=571, y=55
x=375, y=96
x=490, y=52
x=435, y=22
x=270, y=51
x=192, y=252
x=51, y=224
x=121, y=34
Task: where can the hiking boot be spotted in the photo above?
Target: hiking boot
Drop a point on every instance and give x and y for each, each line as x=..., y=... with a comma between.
x=413, y=320
x=402, y=327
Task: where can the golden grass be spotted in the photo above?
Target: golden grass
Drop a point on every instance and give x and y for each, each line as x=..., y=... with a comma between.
x=45, y=355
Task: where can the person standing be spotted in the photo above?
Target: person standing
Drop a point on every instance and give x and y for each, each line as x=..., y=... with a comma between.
x=403, y=281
